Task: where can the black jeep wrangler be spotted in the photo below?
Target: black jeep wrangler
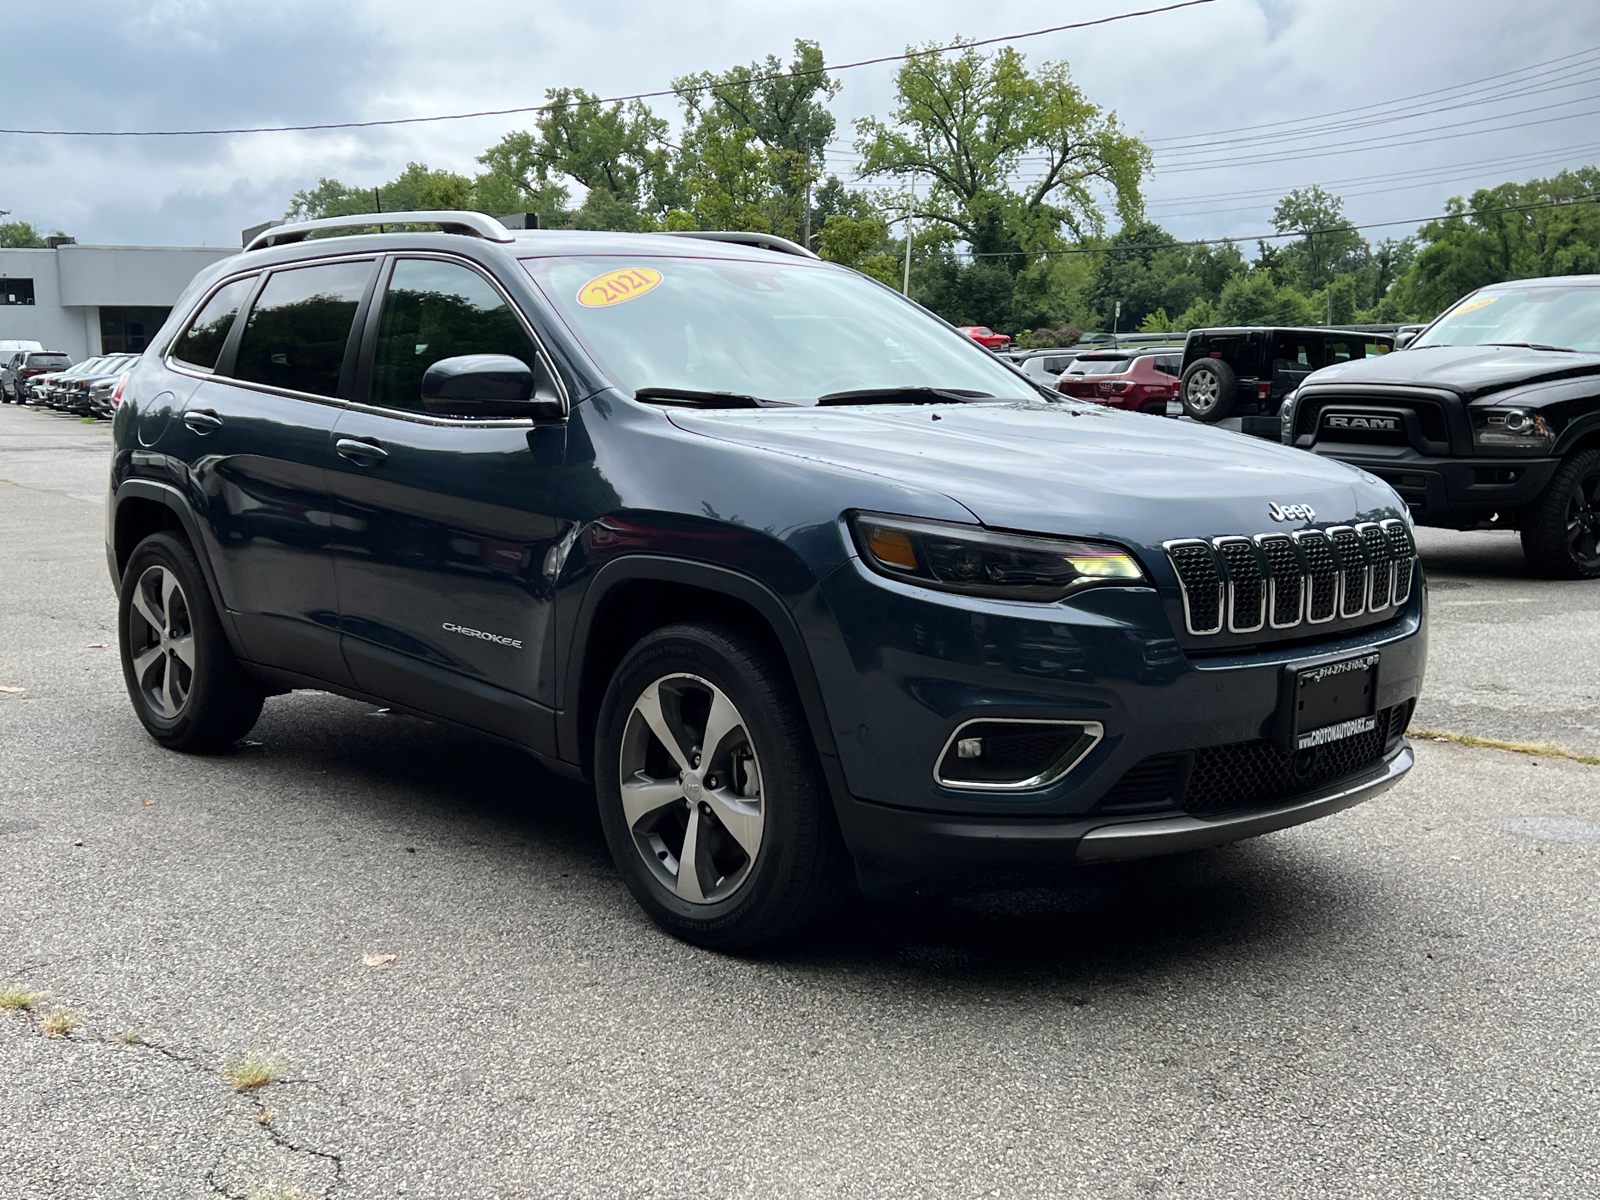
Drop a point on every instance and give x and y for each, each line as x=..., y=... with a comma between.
x=1490, y=418
x=1248, y=371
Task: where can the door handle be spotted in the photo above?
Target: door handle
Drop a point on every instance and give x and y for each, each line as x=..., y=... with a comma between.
x=359, y=451
x=202, y=420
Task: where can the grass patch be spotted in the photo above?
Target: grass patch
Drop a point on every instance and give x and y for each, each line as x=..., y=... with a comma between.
x=252, y=1071
x=1542, y=749
x=59, y=1023
x=18, y=998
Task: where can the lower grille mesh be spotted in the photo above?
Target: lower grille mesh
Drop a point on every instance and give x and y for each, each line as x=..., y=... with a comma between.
x=1249, y=774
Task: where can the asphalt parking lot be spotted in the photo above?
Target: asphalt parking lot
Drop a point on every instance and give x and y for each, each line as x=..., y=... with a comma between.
x=1402, y=1000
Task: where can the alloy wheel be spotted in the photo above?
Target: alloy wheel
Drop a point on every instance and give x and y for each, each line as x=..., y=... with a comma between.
x=691, y=788
x=1583, y=520
x=1203, y=391
x=161, y=642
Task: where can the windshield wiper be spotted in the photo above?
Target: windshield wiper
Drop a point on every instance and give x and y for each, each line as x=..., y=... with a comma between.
x=699, y=399
x=1534, y=346
x=903, y=395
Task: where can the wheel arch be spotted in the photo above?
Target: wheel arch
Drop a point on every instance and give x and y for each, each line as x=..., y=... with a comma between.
x=141, y=507
x=631, y=597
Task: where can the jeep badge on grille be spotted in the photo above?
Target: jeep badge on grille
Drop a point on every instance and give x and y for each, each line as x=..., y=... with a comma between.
x=1292, y=512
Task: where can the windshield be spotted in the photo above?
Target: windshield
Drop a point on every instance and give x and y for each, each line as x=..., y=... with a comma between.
x=786, y=331
x=1567, y=318
x=1100, y=366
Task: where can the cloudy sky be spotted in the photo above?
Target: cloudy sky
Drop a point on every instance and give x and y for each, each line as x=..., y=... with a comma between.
x=1494, y=103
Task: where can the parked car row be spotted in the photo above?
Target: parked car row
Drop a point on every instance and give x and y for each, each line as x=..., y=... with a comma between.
x=47, y=380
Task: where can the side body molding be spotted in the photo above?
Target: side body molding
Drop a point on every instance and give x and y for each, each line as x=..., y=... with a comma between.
x=735, y=585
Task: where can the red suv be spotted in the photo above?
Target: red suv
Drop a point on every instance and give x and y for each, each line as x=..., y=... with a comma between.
x=1139, y=382
x=985, y=336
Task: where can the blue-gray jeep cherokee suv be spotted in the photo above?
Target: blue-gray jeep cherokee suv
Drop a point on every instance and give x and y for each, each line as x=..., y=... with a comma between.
x=799, y=576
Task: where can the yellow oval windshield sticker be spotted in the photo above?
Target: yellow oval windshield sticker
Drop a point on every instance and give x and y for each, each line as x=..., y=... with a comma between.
x=614, y=287
x=1483, y=302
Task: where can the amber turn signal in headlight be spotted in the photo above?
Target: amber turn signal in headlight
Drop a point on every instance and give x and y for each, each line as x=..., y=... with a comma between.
x=979, y=562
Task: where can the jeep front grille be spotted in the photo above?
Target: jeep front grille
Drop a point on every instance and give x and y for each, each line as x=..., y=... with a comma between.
x=1244, y=583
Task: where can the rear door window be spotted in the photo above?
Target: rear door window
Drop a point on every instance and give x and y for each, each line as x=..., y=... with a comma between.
x=299, y=327
x=1338, y=350
x=201, y=343
x=1295, y=352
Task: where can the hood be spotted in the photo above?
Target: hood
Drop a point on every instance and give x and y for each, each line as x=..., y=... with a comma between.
x=1064, y=468
x=1470, y=371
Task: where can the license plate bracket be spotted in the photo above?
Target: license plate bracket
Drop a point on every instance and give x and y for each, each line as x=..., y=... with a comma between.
x=1328, y=701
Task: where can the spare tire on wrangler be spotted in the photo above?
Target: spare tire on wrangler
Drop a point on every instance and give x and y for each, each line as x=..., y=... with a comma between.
x=1208, y=390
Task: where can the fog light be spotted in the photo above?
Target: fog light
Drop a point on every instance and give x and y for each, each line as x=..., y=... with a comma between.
x=1005, y=754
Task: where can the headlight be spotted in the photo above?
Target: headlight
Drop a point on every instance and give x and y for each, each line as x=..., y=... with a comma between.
x=1286, y=419
x=976, y=562
x=1510, y=431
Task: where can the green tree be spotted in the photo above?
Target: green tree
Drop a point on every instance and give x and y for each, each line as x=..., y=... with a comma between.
x=617, y=153
x=1254, y=299
x=754, y=139
x=19, y=235
x=966, y=123
x=1145, y=269
x=1328, y=246
x=1499, y=235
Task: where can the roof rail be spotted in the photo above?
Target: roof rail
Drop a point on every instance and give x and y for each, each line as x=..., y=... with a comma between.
x=766, y=241
x=473, y=224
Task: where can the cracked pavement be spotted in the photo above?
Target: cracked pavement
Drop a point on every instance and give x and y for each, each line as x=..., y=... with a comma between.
x=1400, y=1000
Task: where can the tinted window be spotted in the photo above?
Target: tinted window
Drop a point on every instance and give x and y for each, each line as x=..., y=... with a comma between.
x=1100, y=366
x=297, y=331
x=436, y=310
x=1291, y=352
x=1341, y=351
x=16, y=291
x=202, y=341
x=49, y=362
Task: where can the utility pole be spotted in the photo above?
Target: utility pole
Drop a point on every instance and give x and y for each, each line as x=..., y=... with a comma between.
x=808, y=214
x=1116, y=316
x=905, y=288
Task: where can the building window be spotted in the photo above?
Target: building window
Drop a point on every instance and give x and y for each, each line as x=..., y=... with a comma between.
x=129, y=330
x=16, y=291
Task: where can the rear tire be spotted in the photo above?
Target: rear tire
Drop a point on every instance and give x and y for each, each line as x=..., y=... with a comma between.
x=186, y=686
x=1209, y=389
x=1561, y=527
x=727, y=845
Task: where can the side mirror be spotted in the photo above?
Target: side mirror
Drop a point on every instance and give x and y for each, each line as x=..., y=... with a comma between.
x=1405, y=339
x=488, y=385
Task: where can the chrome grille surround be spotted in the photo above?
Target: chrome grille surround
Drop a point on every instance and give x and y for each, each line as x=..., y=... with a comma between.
x=1353, y=573
x=1247, y=591
x=1200, y=581
x=1244, y=584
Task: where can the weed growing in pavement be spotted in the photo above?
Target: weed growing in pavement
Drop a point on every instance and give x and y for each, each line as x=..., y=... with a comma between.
x=1542, y=749
x=280, y=1191
x=264, y=1117
x=253, y=1071
x=131, y=1037
x=18, y=998
x=59, y=1022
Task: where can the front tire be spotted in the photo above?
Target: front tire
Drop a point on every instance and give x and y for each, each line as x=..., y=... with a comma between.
x=1561, y=527
x=710, y=791
x=1209, y=389
x=186, y=686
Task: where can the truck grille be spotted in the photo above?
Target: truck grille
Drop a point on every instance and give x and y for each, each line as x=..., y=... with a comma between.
x=1286, y=580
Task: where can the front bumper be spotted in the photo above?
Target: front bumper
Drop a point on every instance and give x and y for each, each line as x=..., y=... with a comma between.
x=895, y=848
x=1452, y=492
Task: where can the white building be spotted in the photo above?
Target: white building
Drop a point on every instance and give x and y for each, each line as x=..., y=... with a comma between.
x=88, y=300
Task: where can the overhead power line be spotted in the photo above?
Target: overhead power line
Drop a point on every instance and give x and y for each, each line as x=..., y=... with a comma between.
x=543, y=108
x=1293, y=233
x=1398, y=100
